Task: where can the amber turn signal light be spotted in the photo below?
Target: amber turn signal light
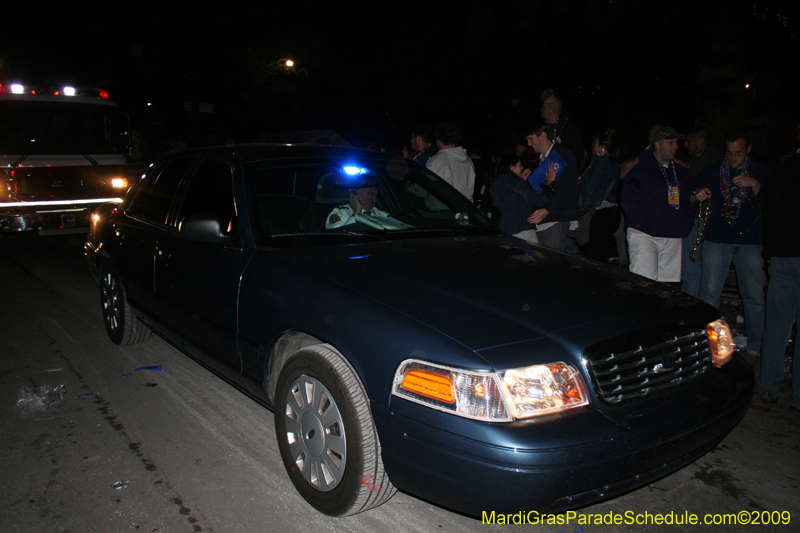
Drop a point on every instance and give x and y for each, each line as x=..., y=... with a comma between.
x=436, y=386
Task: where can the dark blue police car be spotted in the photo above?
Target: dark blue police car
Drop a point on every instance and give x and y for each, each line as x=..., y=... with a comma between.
x=403, y=341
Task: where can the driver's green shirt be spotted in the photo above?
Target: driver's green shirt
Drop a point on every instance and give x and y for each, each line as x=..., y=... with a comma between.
x=343, y=215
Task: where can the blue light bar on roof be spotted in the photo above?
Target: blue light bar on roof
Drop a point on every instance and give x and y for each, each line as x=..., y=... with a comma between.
x=354, y=171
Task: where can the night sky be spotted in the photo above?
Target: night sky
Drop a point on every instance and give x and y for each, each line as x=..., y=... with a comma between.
x=371, y=72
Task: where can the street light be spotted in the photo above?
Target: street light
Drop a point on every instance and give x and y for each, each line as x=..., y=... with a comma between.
x=279, y=68
x=288, y=65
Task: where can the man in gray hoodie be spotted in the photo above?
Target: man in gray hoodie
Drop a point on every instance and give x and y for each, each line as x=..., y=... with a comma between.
x=451, y=162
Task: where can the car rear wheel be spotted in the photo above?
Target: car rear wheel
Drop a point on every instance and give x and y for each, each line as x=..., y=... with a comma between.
x=326, y=434
x=122, y=326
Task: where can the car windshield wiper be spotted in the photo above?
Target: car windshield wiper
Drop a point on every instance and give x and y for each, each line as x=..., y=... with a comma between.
x=329, y=234
x=455, y=229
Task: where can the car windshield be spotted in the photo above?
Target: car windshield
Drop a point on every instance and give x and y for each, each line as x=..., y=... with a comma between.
x=308, y=201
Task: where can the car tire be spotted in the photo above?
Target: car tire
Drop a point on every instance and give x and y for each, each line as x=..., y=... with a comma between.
x=326, y=434
x=122, y=325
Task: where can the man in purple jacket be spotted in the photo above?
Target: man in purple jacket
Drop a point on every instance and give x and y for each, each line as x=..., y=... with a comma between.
x=657, y=199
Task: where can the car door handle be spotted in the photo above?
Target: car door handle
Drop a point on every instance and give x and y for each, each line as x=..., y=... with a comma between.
x=164, y=254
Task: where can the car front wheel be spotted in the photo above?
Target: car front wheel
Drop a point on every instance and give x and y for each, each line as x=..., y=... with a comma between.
x=122, y=326
x=326, y=434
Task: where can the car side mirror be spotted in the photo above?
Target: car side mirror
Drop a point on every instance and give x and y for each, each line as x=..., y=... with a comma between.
x=205, y=229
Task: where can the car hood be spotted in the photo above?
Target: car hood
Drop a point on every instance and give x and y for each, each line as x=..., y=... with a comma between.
x=489, y=291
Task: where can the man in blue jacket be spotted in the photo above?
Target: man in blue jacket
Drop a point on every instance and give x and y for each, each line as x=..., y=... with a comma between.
x=781, y=197
x=734, y=231
x=657, y=198
x=561, y=206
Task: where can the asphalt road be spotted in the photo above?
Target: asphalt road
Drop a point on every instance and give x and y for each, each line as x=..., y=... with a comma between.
x=194, y=454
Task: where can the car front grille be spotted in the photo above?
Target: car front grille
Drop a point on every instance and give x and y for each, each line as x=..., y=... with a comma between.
x=645, y=370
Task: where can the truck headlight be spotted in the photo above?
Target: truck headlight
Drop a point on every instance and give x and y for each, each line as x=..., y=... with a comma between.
x=492, y=396
x=720, y=339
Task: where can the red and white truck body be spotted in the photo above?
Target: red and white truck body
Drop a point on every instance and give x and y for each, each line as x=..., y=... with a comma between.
x=61, y=155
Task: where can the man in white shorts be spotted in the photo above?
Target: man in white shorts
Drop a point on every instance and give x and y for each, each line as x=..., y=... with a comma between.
x=657, y=199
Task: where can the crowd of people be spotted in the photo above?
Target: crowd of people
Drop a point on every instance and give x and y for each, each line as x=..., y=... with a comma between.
x=677, y=217
x=671, y=219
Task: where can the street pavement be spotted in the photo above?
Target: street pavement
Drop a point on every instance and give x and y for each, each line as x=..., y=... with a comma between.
x=178, y=449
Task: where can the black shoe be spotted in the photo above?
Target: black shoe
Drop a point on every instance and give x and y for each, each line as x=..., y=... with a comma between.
x=768, y=397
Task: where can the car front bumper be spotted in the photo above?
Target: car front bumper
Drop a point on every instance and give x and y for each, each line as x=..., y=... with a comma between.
x=562, y=461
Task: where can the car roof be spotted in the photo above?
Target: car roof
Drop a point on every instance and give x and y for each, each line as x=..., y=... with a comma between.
x=259, y=152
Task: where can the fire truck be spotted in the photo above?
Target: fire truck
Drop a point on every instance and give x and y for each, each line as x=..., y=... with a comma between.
x=62, y=153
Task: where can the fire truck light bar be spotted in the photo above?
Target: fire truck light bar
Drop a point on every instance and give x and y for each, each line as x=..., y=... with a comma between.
x=18, y=88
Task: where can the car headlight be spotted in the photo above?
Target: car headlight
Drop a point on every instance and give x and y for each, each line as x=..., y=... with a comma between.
x=543, y=389
x=493, y=396
x=721, y=340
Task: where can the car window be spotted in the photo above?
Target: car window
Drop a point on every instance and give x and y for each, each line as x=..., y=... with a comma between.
x=299, y=198
x=210, y=192
x=141, y=193
x=154, y=197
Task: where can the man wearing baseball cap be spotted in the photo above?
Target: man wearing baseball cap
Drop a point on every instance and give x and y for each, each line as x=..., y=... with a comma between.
x=657, y=199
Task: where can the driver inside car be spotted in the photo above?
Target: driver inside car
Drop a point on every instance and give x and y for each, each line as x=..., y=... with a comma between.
x=362, y=200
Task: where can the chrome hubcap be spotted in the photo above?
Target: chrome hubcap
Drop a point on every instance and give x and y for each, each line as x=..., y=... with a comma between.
x=110, y=302
x=315, y=433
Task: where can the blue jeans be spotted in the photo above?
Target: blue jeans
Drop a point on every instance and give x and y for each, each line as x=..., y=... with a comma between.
x=783, y=309
x=750, y=276
x=691, y=271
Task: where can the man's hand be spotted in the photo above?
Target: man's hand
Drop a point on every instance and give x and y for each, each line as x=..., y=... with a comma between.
x=747, y=181
x=538, y=216
x=551, y=173
x=355, y=203
x=702, y=194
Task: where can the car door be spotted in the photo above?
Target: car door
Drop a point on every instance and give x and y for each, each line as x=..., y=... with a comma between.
x=137, y=232
x=197, y=284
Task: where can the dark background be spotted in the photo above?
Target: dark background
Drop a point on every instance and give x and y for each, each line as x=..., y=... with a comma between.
x=371, y=72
